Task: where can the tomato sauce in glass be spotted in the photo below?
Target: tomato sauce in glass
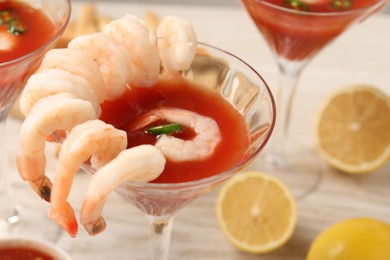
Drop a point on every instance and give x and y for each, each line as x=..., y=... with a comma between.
x=182, y=94
x=323, y=6
x=299, y=35
x=23, y=253
x=38, y=30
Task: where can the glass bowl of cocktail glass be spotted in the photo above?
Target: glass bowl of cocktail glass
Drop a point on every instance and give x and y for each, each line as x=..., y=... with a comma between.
x=238, y=84
x=295, y=32
x=20, y=57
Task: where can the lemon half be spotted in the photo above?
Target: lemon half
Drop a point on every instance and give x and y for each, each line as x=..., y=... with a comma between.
x=352, y=129
x=256, y=212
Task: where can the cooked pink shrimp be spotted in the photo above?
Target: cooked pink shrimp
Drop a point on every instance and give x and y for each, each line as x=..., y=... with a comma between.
x=93, y=138
x=59, y=111
x=113, y=60
x=176, y=43
x=79, y=63
x=139, y=38
x=53, y=81
x=200, y=147
x=141, y=163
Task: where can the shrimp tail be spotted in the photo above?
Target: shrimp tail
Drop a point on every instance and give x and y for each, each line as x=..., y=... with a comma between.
x=65, y=218
x=97, y=224
x=141, y=163
x=95, y=228
x=41, y=185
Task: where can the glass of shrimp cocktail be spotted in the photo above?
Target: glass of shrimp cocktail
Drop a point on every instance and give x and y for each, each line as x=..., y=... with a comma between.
x=161, y=134
x=220, y=86
x=296, y=30
x=28, y=29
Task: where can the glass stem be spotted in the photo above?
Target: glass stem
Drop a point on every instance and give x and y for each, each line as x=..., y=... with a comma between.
x=160, y=236
x=289, y=76
x=4, y=183
x=9, y=212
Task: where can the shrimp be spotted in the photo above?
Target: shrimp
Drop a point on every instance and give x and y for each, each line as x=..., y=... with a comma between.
x=139, y=38
x=113, y=60
x=200, y=147
x=79, y=63
x=176, y=43
x=96, y=138
x=59, y=111
x=53, y=81
x=141, y=163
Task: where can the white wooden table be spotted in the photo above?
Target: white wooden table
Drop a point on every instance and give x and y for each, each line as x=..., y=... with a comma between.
x=361, y=55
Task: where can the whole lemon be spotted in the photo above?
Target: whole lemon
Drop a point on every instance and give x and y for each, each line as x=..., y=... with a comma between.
x=353, y=239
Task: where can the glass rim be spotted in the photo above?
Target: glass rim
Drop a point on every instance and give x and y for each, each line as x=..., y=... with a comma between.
x=220, y=176
x=46, y=44
x=322, y=14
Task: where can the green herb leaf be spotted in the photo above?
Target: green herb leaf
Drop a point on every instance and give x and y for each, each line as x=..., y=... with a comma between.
x=6, y=16
x=165, y=129
x=9, y=17
x=296, y=5
x=16, y=27
x=341, y=4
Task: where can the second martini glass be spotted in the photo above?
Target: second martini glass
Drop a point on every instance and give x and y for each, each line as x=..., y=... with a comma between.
x=296, y=31
x=247, y=92
x=13, y=75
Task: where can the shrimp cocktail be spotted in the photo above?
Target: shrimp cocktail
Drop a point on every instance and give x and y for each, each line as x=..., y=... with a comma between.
x=28, y=29
x=298, y=37
x=26, y=33
x=156, y=116
x=296, y=30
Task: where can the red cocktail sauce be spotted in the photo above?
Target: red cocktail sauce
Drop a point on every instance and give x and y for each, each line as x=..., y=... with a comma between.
x=39, y=30
x=25, y=253
x=297, y=36
x=182, y=94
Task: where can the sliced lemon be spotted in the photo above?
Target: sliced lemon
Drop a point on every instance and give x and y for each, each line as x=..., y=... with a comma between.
x=352, y=129
x=256, y=212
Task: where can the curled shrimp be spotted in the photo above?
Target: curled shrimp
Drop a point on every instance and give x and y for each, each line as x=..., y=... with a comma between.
x=113, y=60
x=59, y=111
x=59, y=81
x=79, y=63
x=93, y=138
x=176, y=43
x=140, y=40
x=179, y=150
x=141, y=163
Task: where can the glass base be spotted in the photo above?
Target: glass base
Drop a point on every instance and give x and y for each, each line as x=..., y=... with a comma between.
x=9, y=213
x=297, y=165
x=34, y=221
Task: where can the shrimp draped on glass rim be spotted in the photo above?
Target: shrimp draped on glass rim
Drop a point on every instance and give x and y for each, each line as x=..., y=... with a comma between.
x=65, y=96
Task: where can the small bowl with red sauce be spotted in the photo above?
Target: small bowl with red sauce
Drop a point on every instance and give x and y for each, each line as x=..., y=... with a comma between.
x=25, y=248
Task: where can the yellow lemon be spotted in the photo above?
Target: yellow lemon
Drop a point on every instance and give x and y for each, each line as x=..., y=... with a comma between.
x=352, y=129
x=256, y=212
x=353, y=239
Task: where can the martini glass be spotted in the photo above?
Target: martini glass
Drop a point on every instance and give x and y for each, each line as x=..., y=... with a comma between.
x=13, y=74
x=296, y=32
x=248, y=93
